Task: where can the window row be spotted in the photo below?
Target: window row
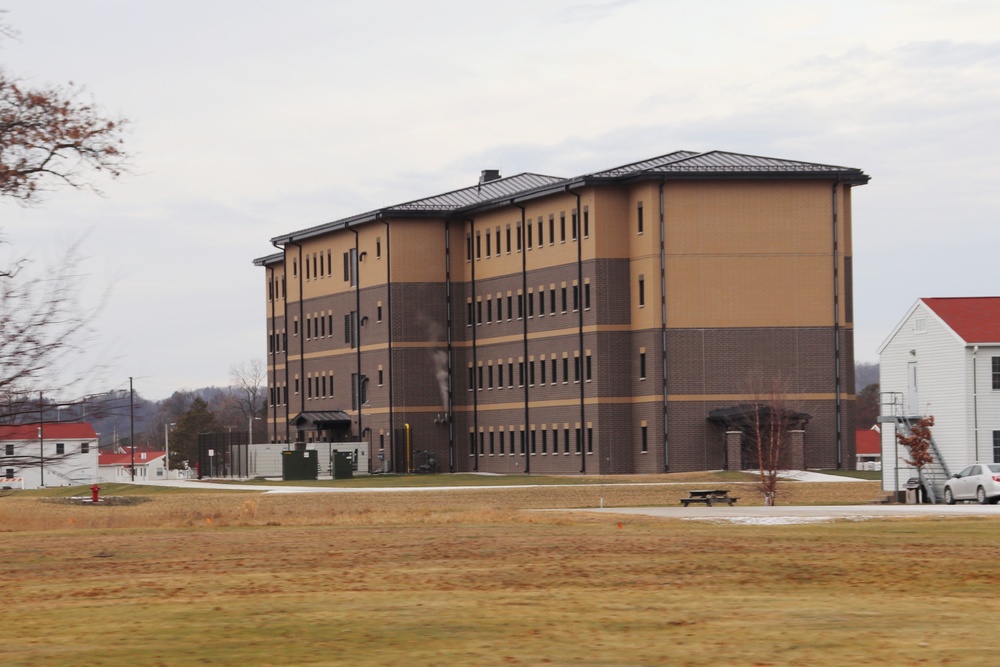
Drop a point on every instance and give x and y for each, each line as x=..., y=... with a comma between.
x=488, y=375
x=277, y=342
x=276, y=288
x=554, y=300
x=320, y=265
x=9, y=448
x=533, y=441
x=513, y=238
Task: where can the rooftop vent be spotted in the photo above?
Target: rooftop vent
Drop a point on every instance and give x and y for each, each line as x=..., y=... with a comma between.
x=489, y=175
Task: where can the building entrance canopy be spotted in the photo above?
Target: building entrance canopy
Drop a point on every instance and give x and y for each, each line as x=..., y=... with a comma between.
x=333, y=419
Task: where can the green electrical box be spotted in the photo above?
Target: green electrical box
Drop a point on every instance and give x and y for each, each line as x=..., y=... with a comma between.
x=299, y=465
x=343, y=465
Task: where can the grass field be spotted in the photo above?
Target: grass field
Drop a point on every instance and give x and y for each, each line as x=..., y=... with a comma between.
x=466, y=577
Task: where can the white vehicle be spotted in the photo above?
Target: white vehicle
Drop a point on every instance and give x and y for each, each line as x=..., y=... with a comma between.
x=979, y=482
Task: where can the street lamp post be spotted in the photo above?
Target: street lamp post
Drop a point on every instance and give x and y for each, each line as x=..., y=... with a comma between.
x=166, y=444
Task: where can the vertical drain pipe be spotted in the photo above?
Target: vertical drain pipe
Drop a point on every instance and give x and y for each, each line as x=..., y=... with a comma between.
x=663, y=325
x=302, y=344
x=579, y=282
x=836, y=329
x=475, y=350
x=450, y=407
x=524, y=333
x=388, y=299
x=356, y=269
x=275, y=341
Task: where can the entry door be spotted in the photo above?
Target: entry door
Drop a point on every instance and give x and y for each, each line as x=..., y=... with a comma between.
x=912, y=399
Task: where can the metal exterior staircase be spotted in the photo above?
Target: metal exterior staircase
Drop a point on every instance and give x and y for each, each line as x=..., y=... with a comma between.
x=934, y=474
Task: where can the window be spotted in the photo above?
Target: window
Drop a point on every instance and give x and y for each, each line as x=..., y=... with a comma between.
x=324, y=394
x=378, y=313
x=552, y=234
x=500, y=376
x=645, y=439
x=498, y=240
x=542, y=369
x=508, y=239
x=529, y=236
x=489, y=377
x=9, y=450
x=468, y=247
x=586, y=223
x=468, y=314
x=492, y=435
x=499, y=308
x=472, y=378
x=309, y=387
x=586, y=296
x=510, y=307
x=590, y=439
x=479, y=312
x=480, y=385
x=378, y=248
x=520, y=306
x=555, y=440
x=552, y=301
x=565, y=370
x=85, y=448
x=295, y=327
x=573, y=214
x=489, y=311
x=531, y=373
x=642, y=365
x=510, y=374
x=488, y=253
x=576, y=298
x=996, y=446
x=540, y=235
x=545, y=439
x=501, y=442
x=295, y=268
x=531, y=304
x=589, y=368
x=519, y=238
x=308, y=328
x=8, y=472
x=533, y=441
x=996, y=372
x=479, y=245
x=642, y=291
x=554, y=369
x=472, y=443
x=639, y=217
x=576, y=368
x=520, y=374
x=60, y=448
x=564, y=299
x=380, y=379
x=351, y=328
x=579, y=440
x=562, y=228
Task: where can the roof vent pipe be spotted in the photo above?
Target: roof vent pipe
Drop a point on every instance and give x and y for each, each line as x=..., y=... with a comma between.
x=488, y=175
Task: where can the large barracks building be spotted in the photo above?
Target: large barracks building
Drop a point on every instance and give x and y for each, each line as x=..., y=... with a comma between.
x=615, y=322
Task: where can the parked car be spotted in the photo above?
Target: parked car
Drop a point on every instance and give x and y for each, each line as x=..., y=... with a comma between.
x=979, y=482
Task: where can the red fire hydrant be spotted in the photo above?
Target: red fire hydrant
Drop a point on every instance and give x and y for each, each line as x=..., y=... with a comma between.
x=93, y=493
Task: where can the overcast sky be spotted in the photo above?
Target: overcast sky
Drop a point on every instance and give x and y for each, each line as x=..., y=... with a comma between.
x=251, y=119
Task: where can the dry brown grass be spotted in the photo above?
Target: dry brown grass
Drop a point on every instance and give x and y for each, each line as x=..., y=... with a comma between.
x=460, y=577
x=233, y=508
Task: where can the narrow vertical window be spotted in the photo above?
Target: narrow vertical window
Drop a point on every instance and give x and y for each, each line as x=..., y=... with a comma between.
x=533, y=441
x=472, y=378
x=468, y=247
x=645, y=439
x=552, y=229
x=576, y=298
x=529, y=236
x=520, y=306
x=531, y=373
x=642, y=291
x=531, y=304
x=541, y=367
x=520, y=374
x=545, y=440
x=499, y=308
x=489, y=311
x=479, y=245
x=575, y=223
x=552, y=301
x=589, y=367
x=510, y=374
x=488, y=244
x=586, y=296
x=564, y=299
x=347, y=266
x=586, y=223
x=500, y=375
x=555, y=368
x=541, y=237
x=381, y=378
x=498, y=240
x=640, y=223
x=562, y=228
x=468, y=314
x=565, y=370
x=642, y=365
x=519, y=238
x=479, y=312
x=378, y=248
x=590, y=439
x=996, y=372
x=489, y=376
x=510, y=307
x=480, y=374
x=576, y=368
x=508, y=239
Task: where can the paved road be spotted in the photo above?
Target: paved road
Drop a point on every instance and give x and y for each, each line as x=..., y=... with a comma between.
x=803, y=513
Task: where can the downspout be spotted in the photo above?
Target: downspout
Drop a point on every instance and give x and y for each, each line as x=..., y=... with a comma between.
x=836, y=329
x=356, y=268
x=388, y=299
x=975, y=402
x=272, y=374
x=524, y=334
x=579, y=281
x=663, y=324
x=450, y=405
x=302, y=343
x=475, y=349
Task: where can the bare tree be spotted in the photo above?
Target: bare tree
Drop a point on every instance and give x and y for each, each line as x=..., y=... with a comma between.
x=248, y=380
x=767, y=421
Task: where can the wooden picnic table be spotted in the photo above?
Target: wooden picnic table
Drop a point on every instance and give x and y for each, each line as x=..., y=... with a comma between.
x=708, y=496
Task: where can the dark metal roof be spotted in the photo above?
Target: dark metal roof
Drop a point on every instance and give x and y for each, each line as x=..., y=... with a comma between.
x=679, y=165
x=503, y=188
x=326, y=419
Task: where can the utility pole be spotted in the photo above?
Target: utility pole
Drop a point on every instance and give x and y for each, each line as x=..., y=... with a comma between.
x=41, y=440
x=166, y=444
x=131, y=423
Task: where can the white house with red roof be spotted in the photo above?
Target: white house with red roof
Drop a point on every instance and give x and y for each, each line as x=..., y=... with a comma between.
x=117, y=467
x=48, y=454
x=942, y=360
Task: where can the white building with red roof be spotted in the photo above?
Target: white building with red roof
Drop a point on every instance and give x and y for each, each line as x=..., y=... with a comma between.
x=117, y=467
x=942, y=360
x=48, y=454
